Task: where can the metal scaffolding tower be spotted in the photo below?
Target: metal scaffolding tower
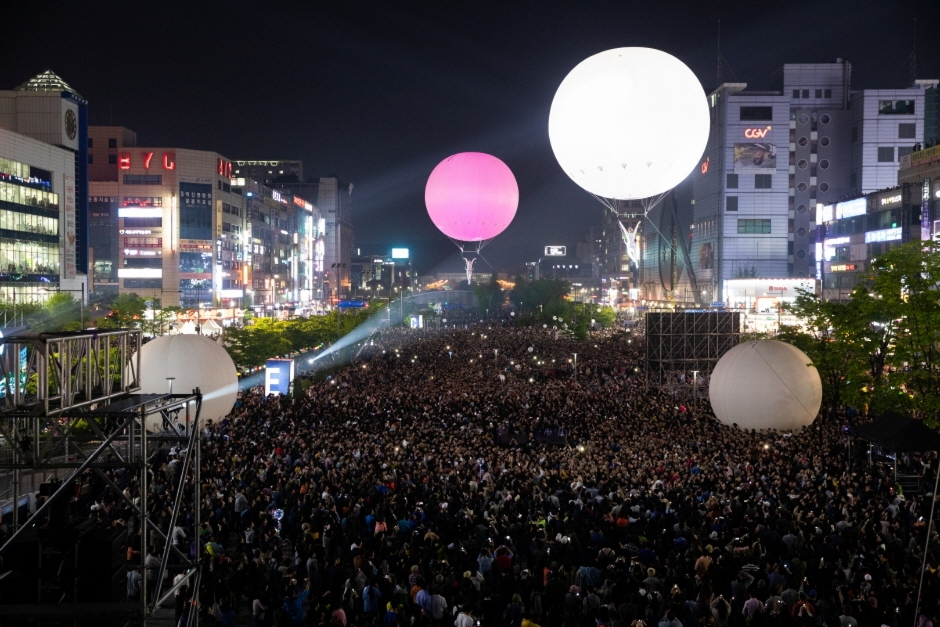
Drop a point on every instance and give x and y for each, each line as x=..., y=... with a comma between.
x=70, y=412
x=688, y=341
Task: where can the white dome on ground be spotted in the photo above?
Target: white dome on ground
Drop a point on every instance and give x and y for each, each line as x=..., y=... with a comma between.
x=765, y=384
x=194, y=361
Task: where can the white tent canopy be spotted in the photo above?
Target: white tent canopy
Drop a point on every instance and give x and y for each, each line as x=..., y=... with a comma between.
x=211, y=327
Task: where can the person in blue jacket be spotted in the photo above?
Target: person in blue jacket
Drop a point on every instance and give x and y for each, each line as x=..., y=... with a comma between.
x=294, y=604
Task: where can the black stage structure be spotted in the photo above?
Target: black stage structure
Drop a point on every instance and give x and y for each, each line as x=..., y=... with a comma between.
x=71, y=414
x=688, y=341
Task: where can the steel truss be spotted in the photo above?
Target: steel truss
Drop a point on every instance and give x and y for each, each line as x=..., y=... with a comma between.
x=70, y=405
x=688, y=341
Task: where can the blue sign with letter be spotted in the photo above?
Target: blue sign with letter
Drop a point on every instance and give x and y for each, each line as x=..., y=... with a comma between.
x=278, y=375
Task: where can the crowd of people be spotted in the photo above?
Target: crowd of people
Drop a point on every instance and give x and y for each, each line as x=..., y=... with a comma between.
x=389, y=495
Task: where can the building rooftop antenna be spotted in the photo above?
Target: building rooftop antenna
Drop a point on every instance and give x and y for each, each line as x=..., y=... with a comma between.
x=718, y=73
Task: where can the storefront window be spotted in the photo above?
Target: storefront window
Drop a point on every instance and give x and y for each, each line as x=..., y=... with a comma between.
x=30, y=197
x=22, y=257
x=27, y=223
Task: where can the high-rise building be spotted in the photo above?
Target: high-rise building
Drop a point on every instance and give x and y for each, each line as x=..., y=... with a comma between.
x=271, y=172
x=47, y=109
x=37, y=193
x=334, y=224
x=180, y=225
x=335, y=205
x=182, y=228
x=773, y=156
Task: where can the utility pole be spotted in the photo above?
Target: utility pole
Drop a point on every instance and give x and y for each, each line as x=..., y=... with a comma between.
x=695, y=388
x=575, y=366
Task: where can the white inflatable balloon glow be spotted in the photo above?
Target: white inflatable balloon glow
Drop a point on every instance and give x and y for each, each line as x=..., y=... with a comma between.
x=765, y=384
x=194, y=361
x=629, y=123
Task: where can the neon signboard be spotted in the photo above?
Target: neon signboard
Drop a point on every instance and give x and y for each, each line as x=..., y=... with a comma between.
x=140, y=212
x=756, y=133
x=884, y=235
x=124, y=160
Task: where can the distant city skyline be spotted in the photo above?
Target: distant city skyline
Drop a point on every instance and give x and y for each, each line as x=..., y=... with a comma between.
x=379, y=95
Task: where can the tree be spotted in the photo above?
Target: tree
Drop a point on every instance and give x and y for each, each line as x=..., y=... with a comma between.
x=881, y=350
x=62, y=312
x=905, y=285
x=127, y=311
x=605, y=316
x=826, y=340
x=489, y=295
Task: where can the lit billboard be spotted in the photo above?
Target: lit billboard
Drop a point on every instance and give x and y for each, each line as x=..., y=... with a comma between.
x=556, y=251
x=755, y=157
x=399, y=253
x=278, y=374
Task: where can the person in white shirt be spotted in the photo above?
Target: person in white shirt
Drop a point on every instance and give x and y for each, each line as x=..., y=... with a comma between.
x=438, y=607
x=133, y=584
x=465, y=619
x=181, y=594
x=258, y=608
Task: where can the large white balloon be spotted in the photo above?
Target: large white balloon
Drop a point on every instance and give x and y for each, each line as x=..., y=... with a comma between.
x=194, y=361
x=629, y=123
x=765, y=384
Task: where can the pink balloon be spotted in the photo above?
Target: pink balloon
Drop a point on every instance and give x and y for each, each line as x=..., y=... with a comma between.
x=471, y=196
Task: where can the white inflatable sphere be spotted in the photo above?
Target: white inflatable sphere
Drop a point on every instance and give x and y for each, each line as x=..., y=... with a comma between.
x=629, y=123
x=194, y=361
x=765, y=384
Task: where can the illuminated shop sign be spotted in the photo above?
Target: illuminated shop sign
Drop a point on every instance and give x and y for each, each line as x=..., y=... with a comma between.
x=756, y=133
x=837, y=241
x=842, y=267
x=884, y=235
x=891, y=200
x=140, y=212
x=142, y=202
x=851, y=208
x=135, y=232
x=125, y=160
x=224, y=168
x=32, y=180
x=133, y=252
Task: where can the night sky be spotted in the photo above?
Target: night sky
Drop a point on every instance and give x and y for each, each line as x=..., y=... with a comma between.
x=377, y=93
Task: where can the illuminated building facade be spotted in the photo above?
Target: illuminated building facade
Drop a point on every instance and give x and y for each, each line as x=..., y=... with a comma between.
x=853, y=232
x=36, y=188
x=286, y=249
x=180, y=226
x=47, y=110
x=774, y=157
